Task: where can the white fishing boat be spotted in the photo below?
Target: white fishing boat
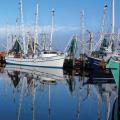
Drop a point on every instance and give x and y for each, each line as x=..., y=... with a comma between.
x=45, y=58
x=52, y=60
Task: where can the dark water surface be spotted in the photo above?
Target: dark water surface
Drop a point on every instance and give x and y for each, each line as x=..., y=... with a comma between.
x=48, y=94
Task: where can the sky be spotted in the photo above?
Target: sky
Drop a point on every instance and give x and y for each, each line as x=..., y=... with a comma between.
x=67, y=15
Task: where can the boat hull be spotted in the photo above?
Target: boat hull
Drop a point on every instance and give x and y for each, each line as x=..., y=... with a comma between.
x=49, y=62
x=96, y=63
x=114, y=65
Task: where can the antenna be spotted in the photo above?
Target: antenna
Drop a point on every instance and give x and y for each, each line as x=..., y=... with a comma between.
x=52, y=28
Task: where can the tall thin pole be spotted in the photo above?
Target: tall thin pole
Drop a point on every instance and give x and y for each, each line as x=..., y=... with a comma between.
x=36, y=28
x=44, y=37
x=7, y=37
x=22, y=25
x=82, y=31
x=113, y=16
x=102, y=26
x=52, y=28
x=91, y=42
x=118, y=34
x=83, y=38
x=16, y=26
x=113, y=26
x=118, y=41
x=103, y=19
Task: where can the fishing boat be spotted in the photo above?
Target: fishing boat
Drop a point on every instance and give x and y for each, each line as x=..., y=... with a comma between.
x=51, y=60
x=19, y=53
x=114, y=65
x=100, y=61
x=106, y=44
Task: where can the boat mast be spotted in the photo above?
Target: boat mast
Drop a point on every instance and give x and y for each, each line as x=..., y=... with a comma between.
x=113, y=16
x=7, y=38
x=102, y=27
x=22, y=25
x=36, y=29
x=113, y=28
x=91, y=42
x=16, y=26
x=44, y=37
x=52, y=29
x=82, y=31
x=118, y=42
x=103, y=20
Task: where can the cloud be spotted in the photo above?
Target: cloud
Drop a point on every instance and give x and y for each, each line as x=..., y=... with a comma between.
x=7, y=29
x=67, y=28
x=12, y=29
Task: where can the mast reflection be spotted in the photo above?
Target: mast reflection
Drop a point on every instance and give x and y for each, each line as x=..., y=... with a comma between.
x=83, y=89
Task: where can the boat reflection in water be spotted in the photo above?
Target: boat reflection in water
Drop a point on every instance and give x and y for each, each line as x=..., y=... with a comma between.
x=43, y=93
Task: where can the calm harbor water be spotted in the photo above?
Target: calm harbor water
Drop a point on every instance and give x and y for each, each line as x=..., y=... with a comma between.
x=52, y=94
